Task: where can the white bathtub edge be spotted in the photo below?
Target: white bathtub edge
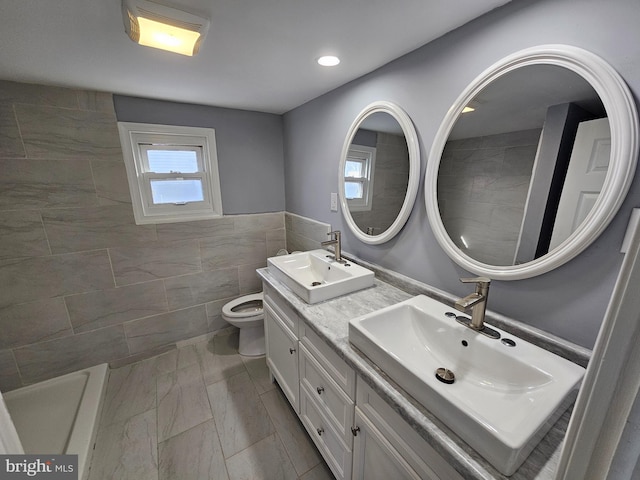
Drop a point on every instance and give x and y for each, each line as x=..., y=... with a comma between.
x=88, y=418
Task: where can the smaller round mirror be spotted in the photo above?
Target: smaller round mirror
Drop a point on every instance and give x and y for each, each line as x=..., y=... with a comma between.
x=378, y=173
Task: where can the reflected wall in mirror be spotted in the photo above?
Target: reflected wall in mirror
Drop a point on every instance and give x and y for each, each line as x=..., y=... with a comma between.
x=378, y=172
x=532, y=162
x=506, y=163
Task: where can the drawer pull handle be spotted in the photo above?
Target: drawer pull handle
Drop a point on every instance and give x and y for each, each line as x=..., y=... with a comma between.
x=320, y=431
x=292, y=351
x=355, y=430
x=320, y=390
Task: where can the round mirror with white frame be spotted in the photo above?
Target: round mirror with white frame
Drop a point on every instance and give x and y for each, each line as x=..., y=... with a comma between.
x=510, y=185
x=379, y=170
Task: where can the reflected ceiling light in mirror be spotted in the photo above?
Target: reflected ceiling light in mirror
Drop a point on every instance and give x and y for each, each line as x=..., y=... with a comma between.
x=328, y=61
x=158, y=26
x=468, y=109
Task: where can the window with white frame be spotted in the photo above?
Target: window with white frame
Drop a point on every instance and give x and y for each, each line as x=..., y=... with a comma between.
x=358, y=177
x=172, y=172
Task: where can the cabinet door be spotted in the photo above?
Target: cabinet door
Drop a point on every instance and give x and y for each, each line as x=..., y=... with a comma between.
x=282, y=356
x=385, y=430
x=374, y=458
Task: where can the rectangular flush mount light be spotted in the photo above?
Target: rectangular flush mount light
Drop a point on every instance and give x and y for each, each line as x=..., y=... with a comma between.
x=158, y=26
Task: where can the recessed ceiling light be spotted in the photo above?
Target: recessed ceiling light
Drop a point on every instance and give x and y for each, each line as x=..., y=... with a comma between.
x=329, y=61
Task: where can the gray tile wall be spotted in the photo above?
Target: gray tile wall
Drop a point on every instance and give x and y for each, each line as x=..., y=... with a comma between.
x=304, y=233
x=81, y=282
x=482, y=190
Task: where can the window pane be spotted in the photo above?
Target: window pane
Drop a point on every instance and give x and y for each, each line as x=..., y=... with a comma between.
x=176, y=191
x=167, y=161
x=354, y=169
x=353, y=190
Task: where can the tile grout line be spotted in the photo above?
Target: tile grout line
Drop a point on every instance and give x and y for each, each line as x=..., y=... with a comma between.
x=200, y=379
x=297, y=419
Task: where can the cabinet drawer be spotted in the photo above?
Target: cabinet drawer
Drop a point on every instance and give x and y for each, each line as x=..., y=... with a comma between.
x=327, y=439
x=335, y=366
x=284, y=311
x=337, y=406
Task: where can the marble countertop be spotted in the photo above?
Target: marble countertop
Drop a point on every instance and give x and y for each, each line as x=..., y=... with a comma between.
x=330, y=321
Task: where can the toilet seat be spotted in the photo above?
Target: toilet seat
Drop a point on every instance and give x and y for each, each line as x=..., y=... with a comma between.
x=247, y=314
x=237, y=308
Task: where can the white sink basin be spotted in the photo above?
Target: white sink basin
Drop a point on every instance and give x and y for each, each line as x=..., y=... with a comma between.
x=504, y=398
x=315, y=277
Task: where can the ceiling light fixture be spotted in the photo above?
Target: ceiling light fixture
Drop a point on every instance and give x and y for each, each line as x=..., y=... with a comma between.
x=329, y=61
x=158, y=26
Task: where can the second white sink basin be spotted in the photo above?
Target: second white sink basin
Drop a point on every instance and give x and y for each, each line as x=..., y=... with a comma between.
x=503, y=399
x=315, y=276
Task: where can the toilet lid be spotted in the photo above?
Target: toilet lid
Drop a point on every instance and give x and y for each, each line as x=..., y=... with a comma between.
x=244, y=307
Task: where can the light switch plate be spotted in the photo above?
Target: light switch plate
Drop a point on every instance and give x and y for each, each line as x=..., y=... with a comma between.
x=334, y=202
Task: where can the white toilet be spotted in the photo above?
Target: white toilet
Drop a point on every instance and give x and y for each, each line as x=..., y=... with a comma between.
x=247, y=314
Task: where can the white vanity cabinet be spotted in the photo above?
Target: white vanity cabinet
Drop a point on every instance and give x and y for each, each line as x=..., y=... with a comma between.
x=359, y=435
x=281, y=339
x=317, y=382
x=327, y=393
x=385, y=446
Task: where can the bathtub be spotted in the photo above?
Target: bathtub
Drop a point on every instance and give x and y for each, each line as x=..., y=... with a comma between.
x=61, y=415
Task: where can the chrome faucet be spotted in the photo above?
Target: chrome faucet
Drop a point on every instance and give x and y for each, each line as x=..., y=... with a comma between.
x=477, y=302
x=335, y=241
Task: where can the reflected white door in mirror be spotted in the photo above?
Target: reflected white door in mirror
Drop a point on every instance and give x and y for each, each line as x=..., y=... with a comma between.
x=512, y=190
x=378, y=173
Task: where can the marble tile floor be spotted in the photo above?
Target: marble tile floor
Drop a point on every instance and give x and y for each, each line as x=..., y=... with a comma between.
x=201, y=412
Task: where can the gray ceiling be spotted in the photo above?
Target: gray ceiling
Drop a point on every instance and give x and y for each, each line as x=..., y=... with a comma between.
x=519, y=100
x=258, y=55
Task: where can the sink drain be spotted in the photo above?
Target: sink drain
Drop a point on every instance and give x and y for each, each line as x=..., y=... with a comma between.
x=445, y=375
x=315, y=284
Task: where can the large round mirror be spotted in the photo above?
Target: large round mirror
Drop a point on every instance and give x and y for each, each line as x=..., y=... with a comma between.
x=378, y=173
x=531, y=162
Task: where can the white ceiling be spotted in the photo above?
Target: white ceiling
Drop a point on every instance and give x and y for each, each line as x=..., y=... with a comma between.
x=258, y=55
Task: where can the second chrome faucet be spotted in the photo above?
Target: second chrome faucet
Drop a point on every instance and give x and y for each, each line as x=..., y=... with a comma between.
x=337, y=247
x=477, y=303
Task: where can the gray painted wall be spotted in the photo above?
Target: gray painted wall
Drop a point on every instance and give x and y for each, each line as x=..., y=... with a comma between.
x=570, y=301
x=250, y=155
